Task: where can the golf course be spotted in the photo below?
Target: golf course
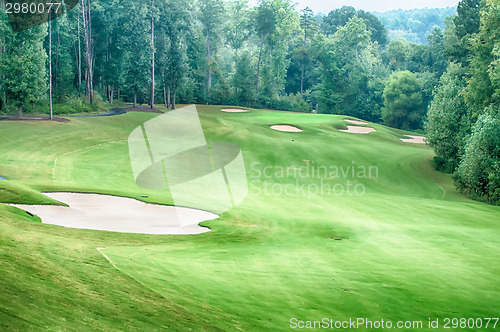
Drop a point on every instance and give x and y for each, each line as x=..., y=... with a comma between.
x=336, y=225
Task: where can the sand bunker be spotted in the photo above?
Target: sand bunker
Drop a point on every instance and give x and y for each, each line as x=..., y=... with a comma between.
x=287, y=128
x=414, y=139
x=119, y=214
x=234, y=110
x=358, y=130
x=356, y=122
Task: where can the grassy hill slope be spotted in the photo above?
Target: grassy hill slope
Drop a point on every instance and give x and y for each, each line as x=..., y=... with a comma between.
x=409, y=248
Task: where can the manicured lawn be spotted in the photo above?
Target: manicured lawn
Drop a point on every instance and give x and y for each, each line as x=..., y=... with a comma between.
x=409, y=248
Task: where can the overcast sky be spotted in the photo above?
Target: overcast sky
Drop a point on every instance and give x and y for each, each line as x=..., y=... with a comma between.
x=325, y=6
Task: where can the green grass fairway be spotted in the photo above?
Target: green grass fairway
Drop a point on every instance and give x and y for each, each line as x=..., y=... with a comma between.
x=409, y=247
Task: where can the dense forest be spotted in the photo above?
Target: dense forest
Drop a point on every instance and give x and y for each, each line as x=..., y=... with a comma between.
x=273, y=56
x=414, y=25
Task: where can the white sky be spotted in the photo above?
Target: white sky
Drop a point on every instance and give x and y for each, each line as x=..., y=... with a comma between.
x=325, y=6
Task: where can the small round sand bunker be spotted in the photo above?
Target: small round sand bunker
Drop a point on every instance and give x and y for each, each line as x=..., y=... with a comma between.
x=234, y=110
x=414, y=139
x=286, y=128
x=358, y=130
x=356, y=122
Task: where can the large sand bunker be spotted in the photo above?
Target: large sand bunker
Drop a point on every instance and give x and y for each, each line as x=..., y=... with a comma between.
x=234, y=110
x=287, y=128
x=414, y=139
x=356, y=122
x=119, y=214
x=358, y=130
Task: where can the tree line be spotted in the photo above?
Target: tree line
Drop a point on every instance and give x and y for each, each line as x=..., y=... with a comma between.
x=463, y=122
x=216, y=52
x=272, y=56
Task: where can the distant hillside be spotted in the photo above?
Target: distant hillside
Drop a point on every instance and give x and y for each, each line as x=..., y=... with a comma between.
x=414, y=25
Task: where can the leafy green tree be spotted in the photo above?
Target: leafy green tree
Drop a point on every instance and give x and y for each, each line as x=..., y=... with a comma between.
x=243, y=80
x=176, y=20
x=479, y=172
x=265, y=26
x=482, y=91
x=349, y=62
x=238, y=27
x=136, y=27
x=339, y=17
x=404, y=107
x=449, y=120
x=210, y=15
x=23, y=67
x=465, y=24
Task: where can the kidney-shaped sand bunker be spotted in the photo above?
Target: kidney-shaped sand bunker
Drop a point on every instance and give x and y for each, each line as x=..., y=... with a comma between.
x=119, y=214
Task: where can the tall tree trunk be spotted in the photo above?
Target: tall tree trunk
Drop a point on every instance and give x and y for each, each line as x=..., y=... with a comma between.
x=209, y=62
x=168, y=96
x=258, y=68
x=20, y=73
x=302, y=78
x=135, y=92
x=87, y=31
x=165, y=95
x=56, y=71
x=50, y=65
x=2, y=50
x=152, y=55
x=79, y=59
x=173, y=91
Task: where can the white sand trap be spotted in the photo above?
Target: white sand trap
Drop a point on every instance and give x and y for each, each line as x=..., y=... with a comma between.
x=414, y=139
x=119, y=214
x=287, y=128
x=234, y=110
x=356, y=122
x=358, y=130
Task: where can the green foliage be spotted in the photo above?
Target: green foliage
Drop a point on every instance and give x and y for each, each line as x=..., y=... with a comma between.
x=414, y=25
x=349, y=63
x=243, y=81
x=479, y=172
x=403, y=102
x=339, y=17
x=482, y=91
x=449, y=120
x=462, y=26
x=23, y=66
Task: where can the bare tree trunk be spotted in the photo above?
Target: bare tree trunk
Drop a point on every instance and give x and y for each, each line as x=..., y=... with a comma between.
x=87, y=31
x=135, y=92
x=165, y=96
x=209, y=61
x=57, y=58
x=302, y=79
x=79, y=59
x=2, y=50
x=168, y=96
x=20, y=73
x=152, y=55
x=50, y=66
x=173, y=91
x=258, y=67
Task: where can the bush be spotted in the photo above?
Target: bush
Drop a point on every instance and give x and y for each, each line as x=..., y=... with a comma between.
x=291, y=102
